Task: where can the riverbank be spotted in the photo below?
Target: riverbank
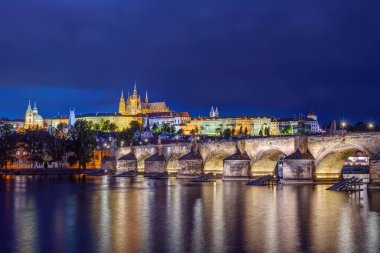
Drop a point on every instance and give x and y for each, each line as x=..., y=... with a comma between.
x=32, y=172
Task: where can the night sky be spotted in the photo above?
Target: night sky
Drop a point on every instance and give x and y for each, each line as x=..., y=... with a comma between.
x=248, y=57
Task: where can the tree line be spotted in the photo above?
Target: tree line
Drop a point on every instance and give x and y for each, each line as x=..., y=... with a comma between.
x=43, y=147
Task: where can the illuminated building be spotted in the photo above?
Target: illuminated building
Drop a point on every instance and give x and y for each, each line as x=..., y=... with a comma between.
x=134, y=106
x=16, y=123
x=32, y=118
x=214, y=113
x=176, y=119
x=121, y=121
x=254, y=126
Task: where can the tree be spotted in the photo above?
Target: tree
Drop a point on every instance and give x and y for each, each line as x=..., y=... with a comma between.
x=246, y=131
x=56, y=149
x=81, y=143
x=61, y=126
x=172, y=129
x=8, y=144
x=219, y=131
x=37, y=146
x=166, y=128
x=134, y=125
x=233, y=132
x=126, y=137
x=227, y=133
x=112, y=127
x=96, y=127
x=267, y=131
x=156, y=129
x=287, y=130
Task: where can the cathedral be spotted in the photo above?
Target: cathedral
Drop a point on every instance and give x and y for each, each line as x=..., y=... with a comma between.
x=32, y=118
x=134, y=106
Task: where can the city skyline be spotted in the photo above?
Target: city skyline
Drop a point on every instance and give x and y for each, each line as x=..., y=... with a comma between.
x=18, y=112
x=271, y=58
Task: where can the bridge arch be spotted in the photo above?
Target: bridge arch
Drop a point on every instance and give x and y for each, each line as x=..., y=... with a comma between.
x=265, y=161
x=328, y=165
x=172, y=165
x=213, y=155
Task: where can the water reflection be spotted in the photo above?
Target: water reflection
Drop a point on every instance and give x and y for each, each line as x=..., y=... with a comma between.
x=105, y=214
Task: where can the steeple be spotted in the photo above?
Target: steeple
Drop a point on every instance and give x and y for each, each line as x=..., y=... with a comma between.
x=122, y=104
x=216, y=112
x=212, y=112
x=146, y=97
x=35, y=110
x=29, y=109
x=135, y=91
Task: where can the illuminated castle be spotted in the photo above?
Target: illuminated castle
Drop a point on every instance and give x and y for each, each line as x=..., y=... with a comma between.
x=134, y=106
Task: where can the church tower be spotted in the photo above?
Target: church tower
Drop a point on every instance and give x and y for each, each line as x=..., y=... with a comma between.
x=133, y=103
x=29, y=116
x=122, y=104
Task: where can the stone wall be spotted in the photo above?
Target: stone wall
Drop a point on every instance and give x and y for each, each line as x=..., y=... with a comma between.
x=236, y=169
x=190, y=168
x=297, y=170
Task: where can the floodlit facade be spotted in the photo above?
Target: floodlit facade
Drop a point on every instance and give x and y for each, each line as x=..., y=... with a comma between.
x=32, y=117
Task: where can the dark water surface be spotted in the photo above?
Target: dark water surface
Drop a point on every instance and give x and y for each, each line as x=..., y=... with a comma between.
x=105, y=214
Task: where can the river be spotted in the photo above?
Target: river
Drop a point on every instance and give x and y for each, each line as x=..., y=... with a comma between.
x=106, y=214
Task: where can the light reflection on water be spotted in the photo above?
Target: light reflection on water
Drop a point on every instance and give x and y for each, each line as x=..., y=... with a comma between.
x=104, y=214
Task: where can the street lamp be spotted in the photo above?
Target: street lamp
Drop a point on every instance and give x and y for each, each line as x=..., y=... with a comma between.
x=370, y=125
x=343, y=124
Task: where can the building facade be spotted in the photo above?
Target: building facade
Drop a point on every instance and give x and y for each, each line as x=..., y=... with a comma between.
x=32, y=118
x=135, y=106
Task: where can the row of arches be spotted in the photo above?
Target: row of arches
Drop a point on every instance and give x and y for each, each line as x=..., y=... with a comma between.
x=328, y=162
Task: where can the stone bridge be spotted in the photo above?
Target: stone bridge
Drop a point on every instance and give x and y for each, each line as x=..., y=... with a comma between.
x=325, y=155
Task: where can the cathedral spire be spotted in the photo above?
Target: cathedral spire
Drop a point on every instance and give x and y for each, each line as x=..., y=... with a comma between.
x=122, y=104
x=146, y=97
x=135, y=91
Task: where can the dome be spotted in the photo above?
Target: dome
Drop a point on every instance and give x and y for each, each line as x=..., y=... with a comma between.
x=37, y=117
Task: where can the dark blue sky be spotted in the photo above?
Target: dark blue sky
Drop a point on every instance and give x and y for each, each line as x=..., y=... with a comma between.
x=271, y=57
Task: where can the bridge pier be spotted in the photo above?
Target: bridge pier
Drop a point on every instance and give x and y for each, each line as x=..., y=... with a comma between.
x=191, y=164
x=298, y=168
x=126, y=163
x=374, y=172
x=236, y=167
x=155, y=164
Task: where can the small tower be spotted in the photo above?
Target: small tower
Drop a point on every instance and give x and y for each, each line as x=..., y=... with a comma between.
x=35, y=110
x=72, y=117
x=135, y=91
x=146, y=97
x=212, y=112
x=122, y=104
x=29, y=116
